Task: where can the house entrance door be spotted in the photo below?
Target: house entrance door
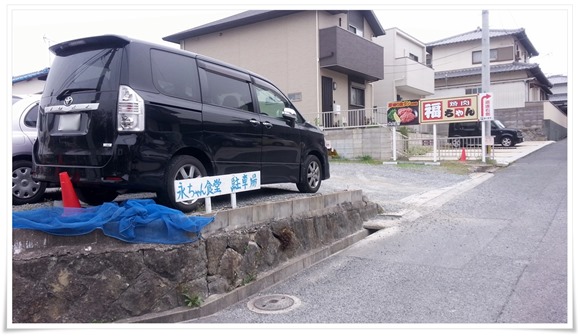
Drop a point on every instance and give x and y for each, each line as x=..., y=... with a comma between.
x=327, y=101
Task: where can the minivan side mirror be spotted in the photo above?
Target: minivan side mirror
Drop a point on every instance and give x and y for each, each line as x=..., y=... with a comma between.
x=289, y=113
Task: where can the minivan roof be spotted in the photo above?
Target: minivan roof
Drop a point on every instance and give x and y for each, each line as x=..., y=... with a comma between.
x=87, y=43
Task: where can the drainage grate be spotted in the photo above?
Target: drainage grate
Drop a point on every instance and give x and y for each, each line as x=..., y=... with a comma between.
x=273, y=304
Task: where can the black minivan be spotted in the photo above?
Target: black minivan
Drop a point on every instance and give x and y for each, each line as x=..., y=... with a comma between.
x=122, y=115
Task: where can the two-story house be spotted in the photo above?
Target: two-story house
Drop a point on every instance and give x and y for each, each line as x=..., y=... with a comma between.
x=520, y=88
x=407, y=75
x=559, y=96
x=324, y=60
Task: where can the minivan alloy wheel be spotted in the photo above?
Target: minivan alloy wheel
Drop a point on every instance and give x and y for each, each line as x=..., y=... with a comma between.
x=187, y=172
x=181, y=167
x=313, y=173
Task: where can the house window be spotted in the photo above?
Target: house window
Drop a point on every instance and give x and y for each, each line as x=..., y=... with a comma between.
x=476, y=56
x=470, y=91
x=357, y=95
x=414, y=57
x=495, y=55
x=355, y=30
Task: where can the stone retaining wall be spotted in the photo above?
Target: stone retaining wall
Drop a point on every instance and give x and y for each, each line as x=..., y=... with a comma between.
x=97, y=279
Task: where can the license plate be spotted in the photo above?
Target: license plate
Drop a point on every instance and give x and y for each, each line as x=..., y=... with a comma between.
x=69, y=122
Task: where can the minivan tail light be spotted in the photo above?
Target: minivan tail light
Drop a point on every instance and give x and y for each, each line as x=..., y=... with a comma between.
x=130, y=111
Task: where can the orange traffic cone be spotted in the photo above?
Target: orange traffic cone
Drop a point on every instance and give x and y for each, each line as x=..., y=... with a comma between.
x=69, y=197
x=462, y=158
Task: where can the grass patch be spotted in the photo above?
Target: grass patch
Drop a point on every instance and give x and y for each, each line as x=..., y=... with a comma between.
x=192, y=300
x=419, y=150
x=451, y=167
x=367, y=159
x=455, y=167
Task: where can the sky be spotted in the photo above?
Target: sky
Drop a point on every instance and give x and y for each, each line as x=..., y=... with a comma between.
x=33, y=28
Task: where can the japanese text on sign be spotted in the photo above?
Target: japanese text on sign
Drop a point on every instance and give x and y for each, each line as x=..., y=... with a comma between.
x=445, y=110
x=210, y=186
x=486, y=106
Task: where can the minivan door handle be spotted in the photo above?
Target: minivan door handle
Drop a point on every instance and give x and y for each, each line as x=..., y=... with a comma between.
x=254, y=122
x=267, y=124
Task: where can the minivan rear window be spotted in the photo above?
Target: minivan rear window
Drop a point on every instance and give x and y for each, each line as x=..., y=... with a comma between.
x=94, y=70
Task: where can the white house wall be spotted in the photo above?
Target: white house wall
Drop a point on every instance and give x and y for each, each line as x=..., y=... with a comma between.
x=385, y=89
x=450, y=92
x=509, y=95
x=291, y=42
x=505, y=95
x=551, y=112
x=397, y=45
x=325, y=20
x=405, y=46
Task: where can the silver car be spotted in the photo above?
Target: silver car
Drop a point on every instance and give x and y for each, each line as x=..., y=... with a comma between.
x=24, y=115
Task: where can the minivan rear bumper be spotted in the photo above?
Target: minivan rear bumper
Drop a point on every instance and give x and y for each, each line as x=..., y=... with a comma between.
x=131, y=167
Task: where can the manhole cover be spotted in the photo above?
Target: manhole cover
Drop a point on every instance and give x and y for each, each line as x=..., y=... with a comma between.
x=273, y=304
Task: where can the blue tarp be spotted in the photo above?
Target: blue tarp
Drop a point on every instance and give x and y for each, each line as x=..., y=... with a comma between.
x=133, y=221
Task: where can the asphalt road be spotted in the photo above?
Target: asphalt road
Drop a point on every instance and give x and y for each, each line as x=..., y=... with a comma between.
x=494, y=255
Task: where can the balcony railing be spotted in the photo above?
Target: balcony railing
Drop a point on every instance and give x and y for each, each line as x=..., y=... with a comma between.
x=353, y=118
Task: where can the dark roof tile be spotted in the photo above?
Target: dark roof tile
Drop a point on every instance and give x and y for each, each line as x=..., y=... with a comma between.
x=498, y=68
x=254, y=16
x=477, y=34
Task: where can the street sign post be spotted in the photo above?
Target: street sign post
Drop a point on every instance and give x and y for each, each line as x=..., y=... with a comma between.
x=485, y=115
x=485, y=106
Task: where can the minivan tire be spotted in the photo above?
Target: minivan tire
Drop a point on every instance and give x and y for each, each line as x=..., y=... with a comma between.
x=24, y=188
x=312, y=176
x=180, y=168
x=95, y=196
x=507, y=141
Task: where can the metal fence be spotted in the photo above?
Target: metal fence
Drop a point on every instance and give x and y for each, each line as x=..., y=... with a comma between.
x=419, y=147
x=417, y=144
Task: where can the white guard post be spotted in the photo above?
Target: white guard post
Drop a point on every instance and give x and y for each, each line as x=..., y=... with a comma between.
x=483, y=149
x=394, y=128
x=434, y=142
x=211, y=186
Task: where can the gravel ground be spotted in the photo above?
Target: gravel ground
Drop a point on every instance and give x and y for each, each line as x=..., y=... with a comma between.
x=383, y=184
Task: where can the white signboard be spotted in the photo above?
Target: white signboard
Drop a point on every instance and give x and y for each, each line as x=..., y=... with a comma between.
x=485, y=106
x=210, y=186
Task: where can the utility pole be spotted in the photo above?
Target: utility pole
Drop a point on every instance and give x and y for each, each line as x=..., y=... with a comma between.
x=485, y=83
